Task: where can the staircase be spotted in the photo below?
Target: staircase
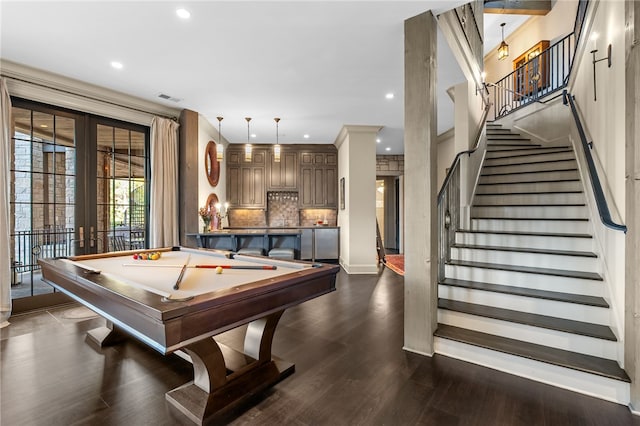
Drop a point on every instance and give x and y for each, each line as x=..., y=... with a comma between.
x=523, y=291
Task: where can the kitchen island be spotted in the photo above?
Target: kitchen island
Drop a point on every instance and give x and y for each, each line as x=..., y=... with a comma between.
x=319, y=242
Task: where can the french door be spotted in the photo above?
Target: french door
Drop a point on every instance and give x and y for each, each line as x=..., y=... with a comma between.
x=79, y=185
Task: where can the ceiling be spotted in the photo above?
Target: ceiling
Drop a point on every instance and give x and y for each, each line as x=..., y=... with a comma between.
x=316, y=65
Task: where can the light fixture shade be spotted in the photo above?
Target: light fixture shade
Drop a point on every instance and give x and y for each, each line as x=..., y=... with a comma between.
x=276, y=147
x=503, y=50
x=247, y=147
x=219, y=147
x=219, y=152
x=276, y=153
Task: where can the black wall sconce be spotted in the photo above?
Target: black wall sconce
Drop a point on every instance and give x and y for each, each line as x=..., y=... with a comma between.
x=483, y=83
x=595, y=61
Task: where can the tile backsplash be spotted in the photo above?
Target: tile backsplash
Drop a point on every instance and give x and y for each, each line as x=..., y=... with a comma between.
x=241, y=218
x=309, y=217
x=282, y=209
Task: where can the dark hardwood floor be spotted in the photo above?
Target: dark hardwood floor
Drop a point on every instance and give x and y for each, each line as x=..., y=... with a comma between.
x=350, y=370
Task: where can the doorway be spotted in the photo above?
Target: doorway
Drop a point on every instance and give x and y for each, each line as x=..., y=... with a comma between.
x=388, y=211
x=77, y=181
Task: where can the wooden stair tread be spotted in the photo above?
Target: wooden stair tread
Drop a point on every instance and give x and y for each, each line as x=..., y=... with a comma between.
x=530, y=172
x=535, y=234
x=528, y=269
x=531, y=205
x=573, y=360
x=528, y=193
x=529, y=250
x=537, y=148
x=529, y=181
x=597, y=331
x=566, y=219
x=579, y=299
x=530, y=152
x=526, y=163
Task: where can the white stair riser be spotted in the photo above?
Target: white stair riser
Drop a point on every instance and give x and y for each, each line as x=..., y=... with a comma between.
x=543, y=199
x=530, y=241
x=534, y=167
x=553, y=308
x=529, y=159
x=553, y=226
x=540, y=336
x=522, y=279
x=538, y=260
x=532, y=187
x=495, y=154
x=547, y=212
x=546, y=176
x=566, y=378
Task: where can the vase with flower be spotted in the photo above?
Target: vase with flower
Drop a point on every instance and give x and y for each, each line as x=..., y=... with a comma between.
x=205, y=215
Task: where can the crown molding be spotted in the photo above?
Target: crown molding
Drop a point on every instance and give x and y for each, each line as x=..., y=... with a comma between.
x=43, y=86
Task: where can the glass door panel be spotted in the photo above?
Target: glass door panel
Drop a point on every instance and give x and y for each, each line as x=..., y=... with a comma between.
x=121, y=188
x=43, y=185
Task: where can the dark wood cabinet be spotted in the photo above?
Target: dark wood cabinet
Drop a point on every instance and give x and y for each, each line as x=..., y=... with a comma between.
x=318, y=180
x=531, y=70
x=311, y=170
x=246, y=180
x=283, y=174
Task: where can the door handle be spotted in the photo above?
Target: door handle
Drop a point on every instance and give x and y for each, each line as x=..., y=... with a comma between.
x=81, y=237
x=92, y=237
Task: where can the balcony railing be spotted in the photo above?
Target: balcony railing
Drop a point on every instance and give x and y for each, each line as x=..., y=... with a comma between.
x=539, y=77
x=29, y=246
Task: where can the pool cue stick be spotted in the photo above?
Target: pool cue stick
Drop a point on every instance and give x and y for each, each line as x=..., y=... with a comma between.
x=152, y=265
x=176, y=286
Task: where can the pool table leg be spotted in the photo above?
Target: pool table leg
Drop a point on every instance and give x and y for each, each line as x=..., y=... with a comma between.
x=224, y=377
x=107, y=335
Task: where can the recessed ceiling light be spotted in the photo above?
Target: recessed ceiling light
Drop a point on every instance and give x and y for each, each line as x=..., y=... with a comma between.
x=44, y=126
x=389, y=96
x=378, y=140
x=387, y=149
x=183, y=13
x=117, y=65
x=253, y=135
x=306, y=136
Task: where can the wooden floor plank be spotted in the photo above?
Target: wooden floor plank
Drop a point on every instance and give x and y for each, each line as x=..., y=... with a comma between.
x=350, y=370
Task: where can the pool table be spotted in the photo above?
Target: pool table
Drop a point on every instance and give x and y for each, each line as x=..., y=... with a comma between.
x=138, y=298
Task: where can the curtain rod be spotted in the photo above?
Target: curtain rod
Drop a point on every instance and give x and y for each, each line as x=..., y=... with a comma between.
x=87, y=97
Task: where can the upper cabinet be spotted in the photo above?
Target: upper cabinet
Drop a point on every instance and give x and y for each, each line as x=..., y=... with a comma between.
x=283, y=174
x=311, y=170
x=318, y=179
x=246, y=180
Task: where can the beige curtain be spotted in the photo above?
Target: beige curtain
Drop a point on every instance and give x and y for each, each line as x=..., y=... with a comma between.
x=163, y=216
x=5, y=179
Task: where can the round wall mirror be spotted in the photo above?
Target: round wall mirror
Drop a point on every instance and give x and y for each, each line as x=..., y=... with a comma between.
x=211, y=164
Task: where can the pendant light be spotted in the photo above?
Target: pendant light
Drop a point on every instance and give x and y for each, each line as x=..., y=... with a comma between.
x=219, y=147
x=276, y=148
x=247, y=147
x=503, y=50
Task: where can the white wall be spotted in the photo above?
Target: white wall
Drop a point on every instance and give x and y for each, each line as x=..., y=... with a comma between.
x=357, y=165
x=604, y=122
x=552, y=26
x=446, y=154
x=207, y=132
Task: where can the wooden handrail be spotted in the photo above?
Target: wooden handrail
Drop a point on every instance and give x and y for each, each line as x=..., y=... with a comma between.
x=596, y=186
